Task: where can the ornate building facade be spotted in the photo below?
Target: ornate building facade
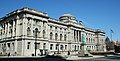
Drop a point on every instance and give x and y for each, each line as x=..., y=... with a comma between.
x=27, y=32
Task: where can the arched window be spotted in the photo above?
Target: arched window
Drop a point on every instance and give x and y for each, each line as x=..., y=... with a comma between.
x=89, y=40
x=61, y=47
x=51, y=46
x=60, y=37
x=11, y=31
x=56, y=36
x=50, y=27
x=28, y=31
x=65, y=47
x=78, y=48
x=86, y=39
x=51, y=35
x=57, y=47
x=38, y=33
x=43, y=33
x=55, y=28
x=75, y=47
x=65, y=37
x=35, y=32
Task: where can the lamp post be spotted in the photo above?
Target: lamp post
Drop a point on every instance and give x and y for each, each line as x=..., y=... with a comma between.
x=36, y=30
x=83, y=44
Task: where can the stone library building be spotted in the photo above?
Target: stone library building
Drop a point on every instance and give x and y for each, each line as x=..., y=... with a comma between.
x=29, y=32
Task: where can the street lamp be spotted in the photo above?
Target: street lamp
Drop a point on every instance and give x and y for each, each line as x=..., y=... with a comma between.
x=36, y=30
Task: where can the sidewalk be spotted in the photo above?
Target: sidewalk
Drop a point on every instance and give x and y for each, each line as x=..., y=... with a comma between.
x=21, y=56
x=67, y=58
x=77, y=58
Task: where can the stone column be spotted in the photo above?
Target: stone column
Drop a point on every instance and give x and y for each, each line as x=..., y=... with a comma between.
x=97, y=46
x=69, y=41
x=24, y=33
x=17, y=33
x=25, y=26
x=23, y=37
x=75, y=35
x=13, y=33
x=78, y=37
x=41, y=29
x=23, y=47
x=8, y=29
x=4, y=36
x=46, y=30
x=31, y=20
x=17, y=27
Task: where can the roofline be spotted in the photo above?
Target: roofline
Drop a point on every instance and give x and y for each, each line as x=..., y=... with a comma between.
x=43, y=14
x=26, y=10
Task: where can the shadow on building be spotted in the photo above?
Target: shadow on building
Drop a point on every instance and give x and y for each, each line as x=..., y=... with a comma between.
x=117, y=49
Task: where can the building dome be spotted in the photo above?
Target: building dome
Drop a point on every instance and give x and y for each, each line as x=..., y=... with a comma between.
x=67, y=15
x=68, y=18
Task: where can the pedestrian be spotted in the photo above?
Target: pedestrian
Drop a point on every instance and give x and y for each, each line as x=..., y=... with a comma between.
x=68, y=52
x=8, y=54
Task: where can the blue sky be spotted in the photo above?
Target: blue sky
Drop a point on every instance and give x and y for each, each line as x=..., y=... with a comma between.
x=96, y=14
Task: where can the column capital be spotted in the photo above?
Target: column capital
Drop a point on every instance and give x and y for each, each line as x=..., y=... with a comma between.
x=17, y=17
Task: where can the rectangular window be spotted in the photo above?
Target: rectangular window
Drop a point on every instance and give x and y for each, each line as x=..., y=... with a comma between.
x=44, y=45
x=80, y=36
x=65, y=47
x=28, y=45
x=50, y=27
x=33, y=33
x=78, y=48
x=2, y=45
x=38, y=46
x=13, y=45
x=43, y=23
x=8, y=45
x=56, y=47
x=51, y=46
x=61, y=47
x=36, y=22
x=55, y=28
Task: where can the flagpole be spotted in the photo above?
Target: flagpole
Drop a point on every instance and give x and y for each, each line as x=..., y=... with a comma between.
x=111, y=36
x=111, y=31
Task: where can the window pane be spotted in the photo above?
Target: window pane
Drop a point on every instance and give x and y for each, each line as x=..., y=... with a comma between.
x=28, y=45
x=51, y=46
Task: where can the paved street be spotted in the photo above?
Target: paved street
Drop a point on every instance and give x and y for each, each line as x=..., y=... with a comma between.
x=73, y=58
x=110, y=58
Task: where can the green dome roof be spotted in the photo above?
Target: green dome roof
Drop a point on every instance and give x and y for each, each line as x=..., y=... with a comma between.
x=68, y=18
